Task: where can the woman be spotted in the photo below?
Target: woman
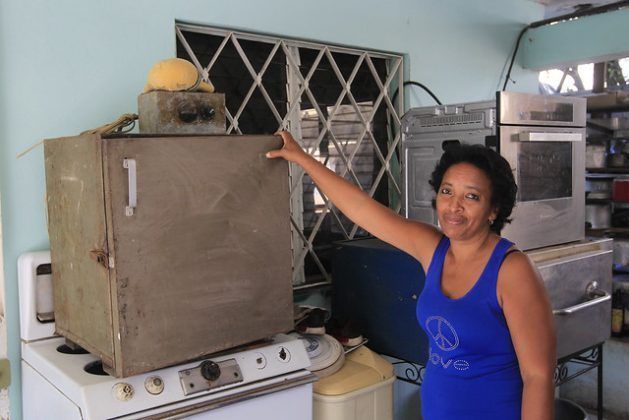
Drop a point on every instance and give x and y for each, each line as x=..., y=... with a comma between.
x=484, y=306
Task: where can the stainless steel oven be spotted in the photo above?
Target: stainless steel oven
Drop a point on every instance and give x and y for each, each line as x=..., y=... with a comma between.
x=542, y=137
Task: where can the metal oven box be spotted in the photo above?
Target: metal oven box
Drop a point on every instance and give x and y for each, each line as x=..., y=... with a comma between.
x=165, y=249
x=542, y=138
x=578, y=278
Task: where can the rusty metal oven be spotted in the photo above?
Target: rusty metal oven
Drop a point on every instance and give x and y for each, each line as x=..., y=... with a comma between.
x=167, y=248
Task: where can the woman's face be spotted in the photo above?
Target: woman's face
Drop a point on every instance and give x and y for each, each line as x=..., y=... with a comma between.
x=463, y=202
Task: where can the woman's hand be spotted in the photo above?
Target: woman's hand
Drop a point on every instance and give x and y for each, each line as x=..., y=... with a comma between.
x=291, y=151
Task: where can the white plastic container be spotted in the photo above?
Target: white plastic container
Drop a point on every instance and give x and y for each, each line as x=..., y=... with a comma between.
x=361, y=390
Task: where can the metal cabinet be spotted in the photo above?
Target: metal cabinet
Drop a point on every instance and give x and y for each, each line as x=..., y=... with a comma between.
x=578, y=279
x=165, y=249
x=377, y=287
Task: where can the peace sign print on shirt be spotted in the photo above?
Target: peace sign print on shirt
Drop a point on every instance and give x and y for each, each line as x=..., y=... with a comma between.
x=442, y=332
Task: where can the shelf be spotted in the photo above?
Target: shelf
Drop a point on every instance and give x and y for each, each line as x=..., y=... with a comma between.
x=598, y=200
x=617, y=204
x=608, y=170
x=606, y=232
x=608, y=102
x=597, y=233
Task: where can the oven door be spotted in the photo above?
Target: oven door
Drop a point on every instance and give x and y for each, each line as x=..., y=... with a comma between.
x=420, y=159
x=549, y=168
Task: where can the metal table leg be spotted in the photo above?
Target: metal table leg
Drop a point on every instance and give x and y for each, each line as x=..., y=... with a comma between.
x=582, y=362
x=599, y=393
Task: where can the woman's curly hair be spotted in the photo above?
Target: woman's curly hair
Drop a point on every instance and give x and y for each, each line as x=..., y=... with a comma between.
x=497, y=169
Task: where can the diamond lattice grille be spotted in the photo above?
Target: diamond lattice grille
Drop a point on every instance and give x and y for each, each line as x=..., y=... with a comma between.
x=336, y=101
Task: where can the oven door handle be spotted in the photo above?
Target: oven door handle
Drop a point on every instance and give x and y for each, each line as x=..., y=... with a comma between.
x=549, y=136
x=572, y=309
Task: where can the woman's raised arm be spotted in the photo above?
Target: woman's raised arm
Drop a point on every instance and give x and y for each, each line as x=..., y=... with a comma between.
x=415, y=238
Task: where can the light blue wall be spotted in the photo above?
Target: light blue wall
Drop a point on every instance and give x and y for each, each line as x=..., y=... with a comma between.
x=585, y=40
x=66, y=66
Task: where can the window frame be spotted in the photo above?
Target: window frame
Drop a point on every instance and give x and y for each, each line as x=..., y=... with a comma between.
x=290, y=119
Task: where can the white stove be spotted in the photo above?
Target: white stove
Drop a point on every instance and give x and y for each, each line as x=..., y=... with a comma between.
x=267, y=380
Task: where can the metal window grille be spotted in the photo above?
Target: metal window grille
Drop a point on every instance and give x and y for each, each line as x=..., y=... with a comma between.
x=336, y=101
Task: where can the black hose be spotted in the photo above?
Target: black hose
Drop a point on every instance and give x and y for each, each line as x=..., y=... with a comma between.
x=414, y=83
x=515, y=51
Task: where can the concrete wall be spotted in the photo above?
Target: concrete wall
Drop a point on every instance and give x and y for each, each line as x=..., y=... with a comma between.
x=70, y=65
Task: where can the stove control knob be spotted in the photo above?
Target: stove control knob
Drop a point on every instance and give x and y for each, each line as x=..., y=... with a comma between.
x=123, y=391
x=210, y=370
x=154, y=385
x=206, y=112
x=187, y=112
x=283, y=355
x=260, y=361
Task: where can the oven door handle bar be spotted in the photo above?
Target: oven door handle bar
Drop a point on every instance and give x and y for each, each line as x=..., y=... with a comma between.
x=549, y=136
x=129, y=164
x=572, y=309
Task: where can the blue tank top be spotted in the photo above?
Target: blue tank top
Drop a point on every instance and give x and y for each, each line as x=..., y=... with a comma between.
x=472, y=370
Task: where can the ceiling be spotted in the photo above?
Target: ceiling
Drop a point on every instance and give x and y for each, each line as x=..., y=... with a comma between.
x=563, y=7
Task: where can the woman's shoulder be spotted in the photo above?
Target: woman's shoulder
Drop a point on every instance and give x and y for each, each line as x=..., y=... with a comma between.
x=516, y=260
x=517, y=273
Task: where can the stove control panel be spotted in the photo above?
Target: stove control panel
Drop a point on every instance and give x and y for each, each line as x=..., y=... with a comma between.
x=209, y=375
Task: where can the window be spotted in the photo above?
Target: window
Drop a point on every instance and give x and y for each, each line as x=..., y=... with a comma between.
x=336, y=101
x=580, y=78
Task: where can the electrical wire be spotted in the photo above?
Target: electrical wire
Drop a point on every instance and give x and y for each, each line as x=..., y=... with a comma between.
x=515, y=51
x=414, y=83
